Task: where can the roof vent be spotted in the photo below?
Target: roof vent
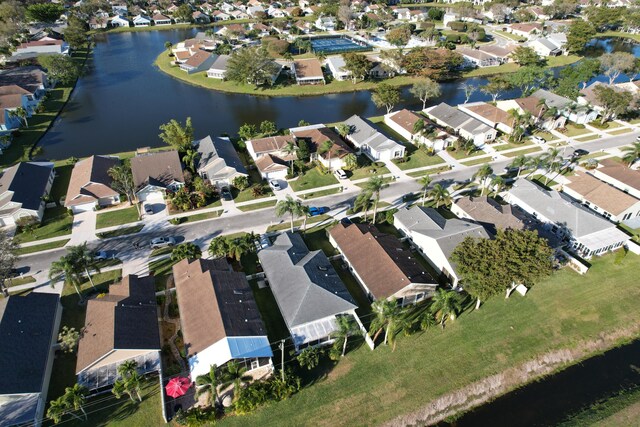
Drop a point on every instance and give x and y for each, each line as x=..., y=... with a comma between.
x=237, y=292
x=322, y=268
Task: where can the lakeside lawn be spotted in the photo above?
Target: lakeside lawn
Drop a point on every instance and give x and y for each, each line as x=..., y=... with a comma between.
x=503, y=333
x=510, y=67
x=117, y=217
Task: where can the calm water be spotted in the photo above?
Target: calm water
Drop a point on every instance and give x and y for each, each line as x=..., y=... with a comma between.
x=120, y=102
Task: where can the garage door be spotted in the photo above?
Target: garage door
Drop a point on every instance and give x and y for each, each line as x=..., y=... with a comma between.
x=153, y=196
x=87, y=207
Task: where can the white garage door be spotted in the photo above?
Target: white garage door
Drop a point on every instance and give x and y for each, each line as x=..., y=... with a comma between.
x=87, y=207
x=153, y=196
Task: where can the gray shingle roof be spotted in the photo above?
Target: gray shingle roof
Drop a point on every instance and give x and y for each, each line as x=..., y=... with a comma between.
x=26, y=331
x=304, y=283
x=551, y=99
x=456, y=119
x=218, y=157
x=28, y=181
x=362, y=133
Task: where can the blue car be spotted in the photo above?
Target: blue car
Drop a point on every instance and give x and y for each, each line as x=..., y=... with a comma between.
x=315, y=211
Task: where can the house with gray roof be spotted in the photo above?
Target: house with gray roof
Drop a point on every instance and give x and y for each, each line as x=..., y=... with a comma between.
x=436, y=237
x=336, y=65
x=218, y=68
x=580, y=114
x=463, y=124
x=585, y=232
x=370, y=142
x=307, y=289
x=23, y=188
x=28, y=333
x=218, y=161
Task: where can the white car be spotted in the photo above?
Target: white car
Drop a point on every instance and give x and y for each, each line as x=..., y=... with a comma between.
x=340, y=174
x=161, y=242
x=275, y=185
x=538, y=140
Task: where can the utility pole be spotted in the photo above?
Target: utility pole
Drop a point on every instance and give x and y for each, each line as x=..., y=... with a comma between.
x=282, y=358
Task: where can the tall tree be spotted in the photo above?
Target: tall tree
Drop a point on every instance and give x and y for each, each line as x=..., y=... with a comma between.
x=616, y=63
x=440, y=195
x=76, y=33
x=75, y=397
x=122, y=181
x=177, y=135
x=482, y=174
x=251, y=65
x=347, y=327
x=209, y=383
x=631, y=153
x=468, y=90
x=446, y=304
x=399, y=36
x=495, y=86
x=424, y=182
x=613, y=102
x=288, y=206
x=385, y=95
x=425, y=89
x=375, y=185
x=84, y=260
x=387, y=314
x=529, y=78
x=45, y=12
x=185, y=251
x=290, y=149
x=572, y=79
x=189, y=159
x=356, y=64
x=363, y=203
x=526, y=56
x=21, y=114
x=65, y=267
x=579, y=34
x=60, y=68
x=236, y=375
x=519, y=163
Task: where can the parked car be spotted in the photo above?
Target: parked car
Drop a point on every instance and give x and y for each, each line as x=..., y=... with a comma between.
x=148, y=209
x=161, y=242
x=340, y=174
x=538, y=140
x=275, y=185
x=346, y=221
x=100, y=255
x=315, y=211
x=579, y=153
x=638, y=138
x=226, y=194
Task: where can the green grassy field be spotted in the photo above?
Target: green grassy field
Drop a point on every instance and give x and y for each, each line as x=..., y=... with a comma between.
x=117, y=217
x=312, y=178
x=524, y=151
x=321, y=193
x=259, y=205
x=477, y=161
x=43, y=247
x=120, y=232
x=369, y=388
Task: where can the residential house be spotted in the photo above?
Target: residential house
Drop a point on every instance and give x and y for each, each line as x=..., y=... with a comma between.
x=492, y=215
x=464, y=125
x=588, y=95
x=276, y=12
x=270, y=157
x=119, y=9
x=218, y=69
x=500, y=53
x=315, y=136
x=160, y=19
x=586, y=233
x=308, y=71
x=120, y=326
x=402, y=13
x=380, y=262
x=326, y=23
x=526, y=30
x=404, y=122
x=239, y=14
x=23, y=189
x=254, y=11
x=489, y=115
x=226, y=7
x=307, y=289
x=201, y=60
x=141, y=21
x=219, y=317
x=155, y=173
x=90, y=185
x=98, y=22
x=370, y=142
x=477, y=58
x=200, y=17
x=580, y=114
x=336, y=65
x=610, y=202
x=218, y=161
x=208, y=7
x=436, y=237
x=29, y=332
x=538, y=110
x=12, y=98
x=119, y=21
x=618, y=175
x=31, y=78
x=44, y=46
x=219, y=15
x=544, y=47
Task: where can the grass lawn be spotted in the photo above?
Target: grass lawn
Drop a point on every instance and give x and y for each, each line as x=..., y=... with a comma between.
x=461, y=154
x=511, y=145
x=573, y=130
x=286, y=225
x=619, y=131
x=270, y=313
x=519, y=152
x=542, y=181
x=321, y=193
x=117, y=217
x=282, y=88
x=56, y=222
x=367, y=169
x=557, y=313
x=509, y=35
x=510, y=67
x=17, y=281
x=588, y=138
x=247, y=193
x=162, y=266
x=418, y=159
x=312, y=178
x=259, y=205
x=477, y=161
x=635, y=37
x=547, y=136
x=43, y=247
x=634, y=232
x=606, y=125
x=120, y=232
x=430, y=172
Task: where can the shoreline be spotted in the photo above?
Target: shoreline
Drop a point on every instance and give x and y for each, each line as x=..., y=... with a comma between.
x=163, y=64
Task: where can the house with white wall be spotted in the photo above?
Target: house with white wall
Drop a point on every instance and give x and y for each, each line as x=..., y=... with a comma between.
x=369, y=141
x=463, y=124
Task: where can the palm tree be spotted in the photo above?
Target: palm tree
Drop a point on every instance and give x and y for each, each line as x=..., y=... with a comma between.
x=132, y=384
x=190, y=158
x=387, y=313
x=553, y=162
x=240, y=246
x=363, y=202
x=290, y=149
x=519, y=162
x=375, y=185
x=209, y=383
x=440, y=195
x=289, y=206
x=65, y=267
x=21, y=113
x=186, y=251
x=424, y=182
x=482, y=175
x=168, y=45
x=57, y=409
x=127, y=368
x=535, y=163
x=83, y=258
x=304, y=212
x=446, y=304
x=631, y=153
x=326, y=147
x=343, y=129
x=75, y=397
x=235, y=374
x=497, y=182
x=219, y=247
x=346, y=327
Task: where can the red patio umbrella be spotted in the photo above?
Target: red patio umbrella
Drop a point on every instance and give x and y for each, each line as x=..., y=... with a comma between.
x=177, y=386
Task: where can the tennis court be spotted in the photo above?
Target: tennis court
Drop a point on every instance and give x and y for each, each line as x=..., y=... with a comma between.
x=337, y=45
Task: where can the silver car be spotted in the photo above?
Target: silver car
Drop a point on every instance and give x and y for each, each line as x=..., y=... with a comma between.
x=161, y=242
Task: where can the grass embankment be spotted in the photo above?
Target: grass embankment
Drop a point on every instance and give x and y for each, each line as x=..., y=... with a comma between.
x=561, y=312
x=39, y=123
x=510, y=67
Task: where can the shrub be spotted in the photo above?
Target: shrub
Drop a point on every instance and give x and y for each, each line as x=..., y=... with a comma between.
x=457, y=26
